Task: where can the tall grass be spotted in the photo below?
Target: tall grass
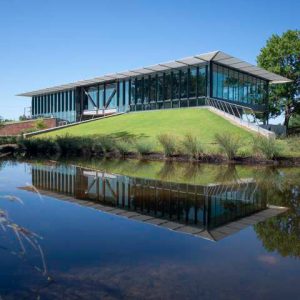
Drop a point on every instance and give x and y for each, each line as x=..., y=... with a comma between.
x=169, y=144
x=229, y=144
x=123, y=147
x=143, y=147
x=192, y=146
x=267, y=147
x=107, y=143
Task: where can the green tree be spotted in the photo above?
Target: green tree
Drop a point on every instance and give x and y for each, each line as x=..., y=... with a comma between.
x=281, y=55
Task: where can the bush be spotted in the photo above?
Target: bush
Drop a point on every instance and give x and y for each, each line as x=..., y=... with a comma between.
x=168, y=143
x=268, y=147
x=123, y=147
x=192, y=146
x=36, y=147
x=107, y=143
x=8, y=140
x=143, y=147
x=74, y=146
x=229, y=144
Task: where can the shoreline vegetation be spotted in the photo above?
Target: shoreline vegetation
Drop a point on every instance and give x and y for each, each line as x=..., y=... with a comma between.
x=225, y=148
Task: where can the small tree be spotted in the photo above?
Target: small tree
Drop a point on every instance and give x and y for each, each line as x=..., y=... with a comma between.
x=281, y=55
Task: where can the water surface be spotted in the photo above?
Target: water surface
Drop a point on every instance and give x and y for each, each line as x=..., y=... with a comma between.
x=82, y=230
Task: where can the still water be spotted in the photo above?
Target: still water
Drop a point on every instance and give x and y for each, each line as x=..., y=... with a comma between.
x=148, y=230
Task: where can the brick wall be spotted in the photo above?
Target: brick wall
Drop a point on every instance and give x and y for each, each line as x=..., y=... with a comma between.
x=20, y=127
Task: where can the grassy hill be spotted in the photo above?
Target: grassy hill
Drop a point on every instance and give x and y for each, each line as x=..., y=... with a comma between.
x=147, y=125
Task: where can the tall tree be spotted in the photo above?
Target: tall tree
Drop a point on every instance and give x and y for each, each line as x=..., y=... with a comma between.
x=281, y=55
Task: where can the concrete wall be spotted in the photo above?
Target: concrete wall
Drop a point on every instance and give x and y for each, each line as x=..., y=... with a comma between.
x=20, y=127
x=241, y=123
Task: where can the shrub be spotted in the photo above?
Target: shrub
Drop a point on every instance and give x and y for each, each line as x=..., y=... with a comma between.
x=268, y=147
x=35, y=147
x=192, y=146
x=107, y=143
x=123, y=147
x=168, y=143
x=74, y=146
x=8, y=140
x=229, y=144
x=143, y=147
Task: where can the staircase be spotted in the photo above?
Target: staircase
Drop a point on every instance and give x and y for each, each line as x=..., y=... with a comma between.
x=239, y=115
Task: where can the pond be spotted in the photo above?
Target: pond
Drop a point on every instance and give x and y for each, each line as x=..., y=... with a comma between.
x=126, y=229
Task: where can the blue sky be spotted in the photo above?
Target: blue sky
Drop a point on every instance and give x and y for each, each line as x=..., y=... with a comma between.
x=44, y=43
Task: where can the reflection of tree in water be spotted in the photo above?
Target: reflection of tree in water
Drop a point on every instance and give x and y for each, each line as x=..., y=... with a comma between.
x=281, y=233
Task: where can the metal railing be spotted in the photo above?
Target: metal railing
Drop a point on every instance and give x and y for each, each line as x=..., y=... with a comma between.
x=236, y=110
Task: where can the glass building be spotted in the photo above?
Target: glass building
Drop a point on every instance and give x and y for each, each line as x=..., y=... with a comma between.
x=177, y=84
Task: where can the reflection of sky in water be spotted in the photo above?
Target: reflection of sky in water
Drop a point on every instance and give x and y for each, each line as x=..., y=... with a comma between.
x=93, y=255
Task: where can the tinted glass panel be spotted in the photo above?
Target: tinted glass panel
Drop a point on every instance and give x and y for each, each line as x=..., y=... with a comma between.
x=168, y=86
x=132, y=91
x=193, y=82
x=202, y=81
x=160, y=87
x=175, y=84
x=110, y=95
x=153, y=88
x=184, y=83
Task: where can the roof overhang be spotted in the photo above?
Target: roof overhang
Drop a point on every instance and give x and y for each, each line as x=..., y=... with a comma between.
x=215, y=56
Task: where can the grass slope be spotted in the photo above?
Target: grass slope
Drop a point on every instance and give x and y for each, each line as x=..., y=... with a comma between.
x=147, y=125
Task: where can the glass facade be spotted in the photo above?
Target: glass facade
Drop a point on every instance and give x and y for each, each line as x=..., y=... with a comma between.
x=59, y=105
x=174, y=88
x=182, y=87
x=235, y=86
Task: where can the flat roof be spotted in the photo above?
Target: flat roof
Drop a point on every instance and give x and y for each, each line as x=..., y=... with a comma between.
x=215, y=56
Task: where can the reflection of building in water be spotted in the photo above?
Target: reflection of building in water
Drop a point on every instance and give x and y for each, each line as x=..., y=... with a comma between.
x=177, y=204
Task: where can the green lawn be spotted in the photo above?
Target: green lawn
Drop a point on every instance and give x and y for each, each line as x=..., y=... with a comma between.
x=147, y=125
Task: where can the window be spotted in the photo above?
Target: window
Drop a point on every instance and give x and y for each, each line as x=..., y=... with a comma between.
x=146, y=89
x=101, y=100
x=71, y=99
x=139, y=90
x=236, y=86
x=55, y=102
x=193, y=82
x=183, y=83
x=160, y=87
x=215, y=81
x=220, y=83
x=225, y=83
x=202, y=82
x=67, y=100
x=230, y=81
x=153, y=88
x=110, y=95
x=175, y=84
x=121, y=93
x=92, y=97
x=168, y=86
x=132, y=92
x=127, y=93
